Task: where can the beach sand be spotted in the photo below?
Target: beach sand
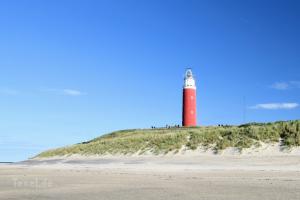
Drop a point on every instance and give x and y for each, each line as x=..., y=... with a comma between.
x=193, y=176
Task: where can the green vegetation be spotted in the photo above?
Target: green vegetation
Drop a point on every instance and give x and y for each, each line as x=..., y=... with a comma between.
x=161, y=141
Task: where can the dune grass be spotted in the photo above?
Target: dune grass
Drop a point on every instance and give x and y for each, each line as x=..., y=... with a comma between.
x=162, y=141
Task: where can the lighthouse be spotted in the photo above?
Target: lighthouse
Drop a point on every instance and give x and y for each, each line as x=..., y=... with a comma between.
x=189, y=115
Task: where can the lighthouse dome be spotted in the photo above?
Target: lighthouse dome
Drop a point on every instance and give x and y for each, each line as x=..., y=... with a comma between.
x=189, y=73
x=189, y=81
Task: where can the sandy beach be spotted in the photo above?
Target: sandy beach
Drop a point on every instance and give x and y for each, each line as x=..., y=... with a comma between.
x=154, y=177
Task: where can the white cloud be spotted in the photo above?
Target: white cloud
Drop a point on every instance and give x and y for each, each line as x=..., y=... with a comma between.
x=9, y=92
x=286, y=85
x=72, y=92
x=276, y=106
x=67, y=92
x=280, y=86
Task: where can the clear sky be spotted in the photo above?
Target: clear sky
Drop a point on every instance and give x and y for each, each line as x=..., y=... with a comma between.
x=73, y=70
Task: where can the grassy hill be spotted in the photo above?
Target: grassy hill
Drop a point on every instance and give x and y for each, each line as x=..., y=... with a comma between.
x=161, y=141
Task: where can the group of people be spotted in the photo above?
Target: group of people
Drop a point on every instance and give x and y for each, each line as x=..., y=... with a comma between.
x=167, y=126
x=222, y=125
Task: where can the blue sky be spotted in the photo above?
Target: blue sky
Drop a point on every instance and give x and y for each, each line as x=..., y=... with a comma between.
x=73, y=70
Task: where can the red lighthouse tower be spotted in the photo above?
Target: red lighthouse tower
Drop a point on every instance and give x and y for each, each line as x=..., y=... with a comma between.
x=189, y=116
